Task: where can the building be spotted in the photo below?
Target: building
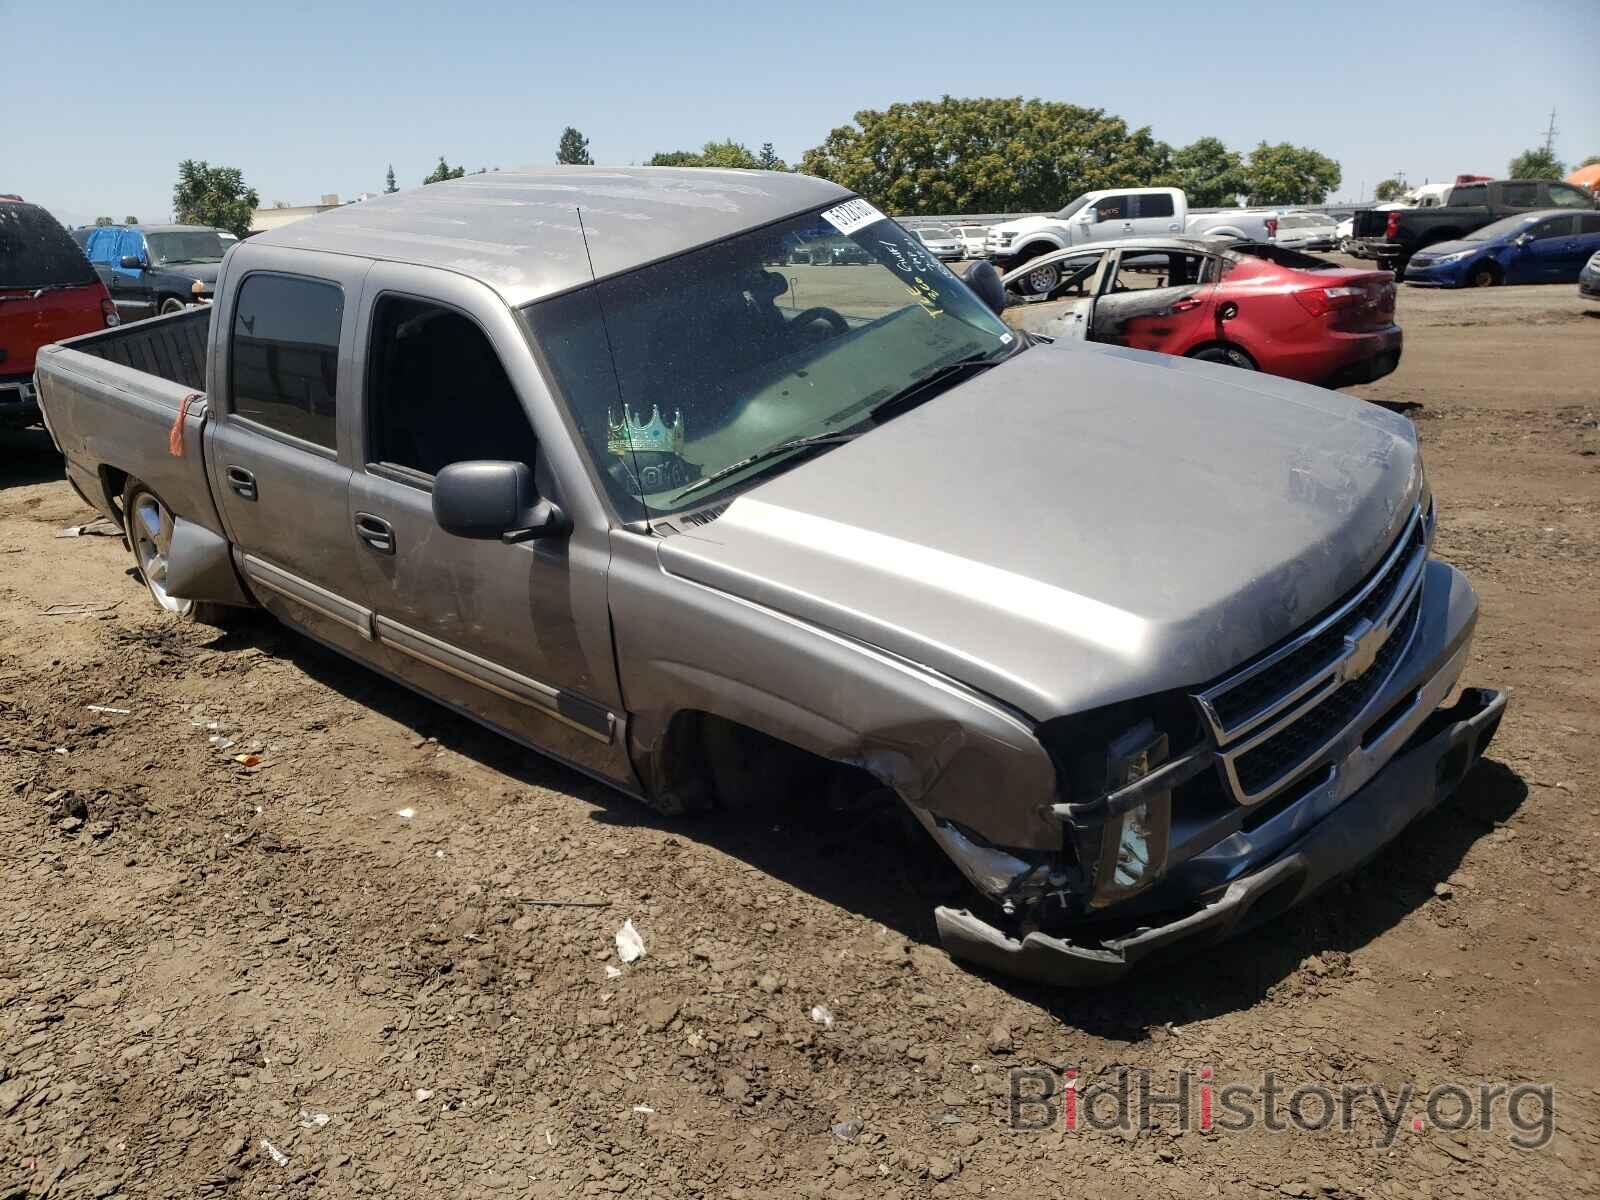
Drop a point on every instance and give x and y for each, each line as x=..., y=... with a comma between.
x=280, y=213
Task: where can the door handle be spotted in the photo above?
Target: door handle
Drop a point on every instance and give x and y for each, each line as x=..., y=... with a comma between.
x=1185, y=304
x=375, y=532
x=242, y=482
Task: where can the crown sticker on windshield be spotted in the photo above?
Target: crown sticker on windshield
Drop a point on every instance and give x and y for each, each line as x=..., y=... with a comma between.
x=851, y=216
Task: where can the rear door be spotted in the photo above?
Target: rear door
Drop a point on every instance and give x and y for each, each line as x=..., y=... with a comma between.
x=1156, y=300
x=1155, y=215
x=501, y=631
x=279, y=451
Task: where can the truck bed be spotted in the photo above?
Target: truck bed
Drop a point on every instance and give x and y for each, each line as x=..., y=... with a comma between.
x=110, y=400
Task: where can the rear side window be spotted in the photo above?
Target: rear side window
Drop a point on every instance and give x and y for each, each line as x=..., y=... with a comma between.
x=35, y=251
x=1520, y=195
x=1471, y=193
x=1155, y=204
x=284, y=365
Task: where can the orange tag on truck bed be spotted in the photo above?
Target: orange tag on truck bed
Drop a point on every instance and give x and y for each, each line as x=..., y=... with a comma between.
x=175, y=438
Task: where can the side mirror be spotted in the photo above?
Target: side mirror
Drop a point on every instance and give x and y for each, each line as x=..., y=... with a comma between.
x=1090, y=216
x=131, y=262
x=1525, y=240
x=494, y=500
x=985, y=281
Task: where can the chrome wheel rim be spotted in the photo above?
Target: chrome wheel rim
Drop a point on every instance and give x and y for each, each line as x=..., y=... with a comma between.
x=1042, y=279
x=150, y=526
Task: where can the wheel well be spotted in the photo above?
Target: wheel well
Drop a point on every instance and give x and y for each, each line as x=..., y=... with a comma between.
x=1033, y=250
x=115, y=482
x=1219, y=344
x=706, y=761
x=1494, y=268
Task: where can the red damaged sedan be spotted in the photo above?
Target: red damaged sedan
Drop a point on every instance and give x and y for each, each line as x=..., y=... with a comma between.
x=1247, y=304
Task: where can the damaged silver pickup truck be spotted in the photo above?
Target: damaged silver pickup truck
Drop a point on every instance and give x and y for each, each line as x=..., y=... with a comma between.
x=622, y=465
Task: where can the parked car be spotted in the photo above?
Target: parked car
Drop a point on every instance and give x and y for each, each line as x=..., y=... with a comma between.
x=1551, y=246
x=1589, y=278
x=1149, y=649
x=1392, y=237
x=945, y=244
x=48, y=292
x=1251, y=305
x=1307, y=231
x=1112, y=215
x=842, y=252
x=973, y=239
x=1345, y=232
x=152, y=269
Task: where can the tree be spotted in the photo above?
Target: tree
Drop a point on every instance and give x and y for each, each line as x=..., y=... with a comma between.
x=955, y=155
x=444, y=171
x=102, y=222
x=769, y=161
x=1388, y=189
x=727, y=153
x=573, y=149
x=1536, y=164
x=1592, y=160
x=216, y=196
x=130, y=220
x=1211, y=175
x=388, y=182
x=1285, y=174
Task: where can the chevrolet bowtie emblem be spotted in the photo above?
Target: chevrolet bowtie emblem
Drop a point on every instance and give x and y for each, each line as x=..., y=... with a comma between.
x=1361, y=646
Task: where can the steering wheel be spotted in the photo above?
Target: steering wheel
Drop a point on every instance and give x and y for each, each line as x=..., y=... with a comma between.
x=840, y=325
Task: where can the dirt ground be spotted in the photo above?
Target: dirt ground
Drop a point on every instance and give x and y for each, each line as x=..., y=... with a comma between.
x=258, y=981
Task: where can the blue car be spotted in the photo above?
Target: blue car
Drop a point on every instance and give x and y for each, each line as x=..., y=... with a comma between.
x=1548, y=246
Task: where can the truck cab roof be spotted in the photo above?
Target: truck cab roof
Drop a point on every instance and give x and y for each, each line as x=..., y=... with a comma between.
x=519, y=232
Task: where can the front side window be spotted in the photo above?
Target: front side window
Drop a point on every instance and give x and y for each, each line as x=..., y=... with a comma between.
x=1555, y=227
x=1114, y=208
x=708, y=363
x=437, y=393
x=188, y=246
x=284, y=365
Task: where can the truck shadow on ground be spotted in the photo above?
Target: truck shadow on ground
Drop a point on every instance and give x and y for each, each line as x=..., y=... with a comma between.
x=28, y=457
x=877, y=863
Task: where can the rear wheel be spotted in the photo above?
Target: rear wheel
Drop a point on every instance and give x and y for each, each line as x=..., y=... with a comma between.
x=148, y=523
x=1485, y=274
x=1230, y=356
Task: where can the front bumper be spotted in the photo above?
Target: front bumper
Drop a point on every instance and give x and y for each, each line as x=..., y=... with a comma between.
x=1431, y=767
x=1397, y=758
x=1589, y=284
x=1437, y=274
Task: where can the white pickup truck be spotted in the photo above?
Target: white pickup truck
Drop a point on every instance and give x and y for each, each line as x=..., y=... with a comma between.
x=1111, y=215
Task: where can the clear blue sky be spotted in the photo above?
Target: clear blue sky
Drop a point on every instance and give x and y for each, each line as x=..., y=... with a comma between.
x=102, y=100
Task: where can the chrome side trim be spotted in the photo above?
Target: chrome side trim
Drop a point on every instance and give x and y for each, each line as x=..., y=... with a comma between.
x=1223, y=732
x=319, y=600
x=581, y=714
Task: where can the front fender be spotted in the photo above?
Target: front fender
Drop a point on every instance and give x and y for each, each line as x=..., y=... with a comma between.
x=951, y=753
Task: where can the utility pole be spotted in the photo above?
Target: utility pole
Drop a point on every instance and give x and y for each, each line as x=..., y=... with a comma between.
x=1550, y=134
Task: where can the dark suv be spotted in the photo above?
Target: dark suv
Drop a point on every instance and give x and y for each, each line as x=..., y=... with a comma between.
x=154, y=269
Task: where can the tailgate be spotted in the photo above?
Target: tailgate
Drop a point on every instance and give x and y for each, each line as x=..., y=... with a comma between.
x=1371, y=223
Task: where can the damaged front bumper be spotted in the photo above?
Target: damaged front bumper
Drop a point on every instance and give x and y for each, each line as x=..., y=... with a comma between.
x=1426, y=770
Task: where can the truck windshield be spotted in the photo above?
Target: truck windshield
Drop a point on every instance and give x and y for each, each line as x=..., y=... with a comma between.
x=1070, y=209
x=36, y=252
x=676, y=372
x=191, y=246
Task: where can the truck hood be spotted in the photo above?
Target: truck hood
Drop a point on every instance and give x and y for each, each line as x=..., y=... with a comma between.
x=206, y=273
x=1077, y=525
x=1024, y=225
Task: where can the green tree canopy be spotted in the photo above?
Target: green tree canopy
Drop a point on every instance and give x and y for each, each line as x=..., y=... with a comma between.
x=768, y=160
x=444, y=171
x=216, y=196
x=1285, y=174
x=130, y=220
x=1592, y=160
x=388, y=181
x=955, y=155
x=1211, y=175
x=102, y=222
x=727, y=153
x=1536, y=164
x=1388, y=189
x=573, y=149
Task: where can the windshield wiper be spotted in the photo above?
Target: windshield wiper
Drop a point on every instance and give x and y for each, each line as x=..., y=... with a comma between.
x=931, y=384
x=733, y=468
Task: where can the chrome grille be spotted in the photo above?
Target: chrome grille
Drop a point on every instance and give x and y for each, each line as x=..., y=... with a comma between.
x=1276, y=718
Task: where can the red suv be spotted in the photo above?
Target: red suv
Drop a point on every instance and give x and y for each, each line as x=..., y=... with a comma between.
x=48, y=291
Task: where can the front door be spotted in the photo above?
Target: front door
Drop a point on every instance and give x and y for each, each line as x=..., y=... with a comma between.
x=1551, y=256
x=129, y=285
x=1155, y=300
x=495, y=630
x=277, y=454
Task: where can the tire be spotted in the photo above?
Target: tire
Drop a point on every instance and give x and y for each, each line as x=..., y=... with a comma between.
x=168, y=305
x=1228, y=356
x=1485, y=274
x=147, y=525
x=1040, y=281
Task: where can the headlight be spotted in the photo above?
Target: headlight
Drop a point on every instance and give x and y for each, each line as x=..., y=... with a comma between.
x=1456, y=257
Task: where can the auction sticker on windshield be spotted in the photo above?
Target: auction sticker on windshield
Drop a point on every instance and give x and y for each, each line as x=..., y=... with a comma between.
x=851, y=216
